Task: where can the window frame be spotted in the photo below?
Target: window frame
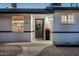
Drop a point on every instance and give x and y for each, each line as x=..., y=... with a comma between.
x=18, y=20
x=69, y=19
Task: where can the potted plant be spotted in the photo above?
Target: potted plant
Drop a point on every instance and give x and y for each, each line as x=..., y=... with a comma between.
x=47, y=34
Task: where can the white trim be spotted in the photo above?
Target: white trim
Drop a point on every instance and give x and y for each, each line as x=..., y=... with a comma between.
x=33, y=17
x=31, y=27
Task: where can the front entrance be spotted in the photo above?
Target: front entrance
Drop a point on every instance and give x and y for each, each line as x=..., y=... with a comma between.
x=39, y=22
x=39, y=28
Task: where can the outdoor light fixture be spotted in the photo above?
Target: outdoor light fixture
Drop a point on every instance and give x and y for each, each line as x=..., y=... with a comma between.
x=49, y=18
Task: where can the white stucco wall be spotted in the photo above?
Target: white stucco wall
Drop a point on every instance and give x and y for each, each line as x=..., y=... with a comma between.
x=6, y=25
x=66, y=38
x=29, y=27
x=47, y=23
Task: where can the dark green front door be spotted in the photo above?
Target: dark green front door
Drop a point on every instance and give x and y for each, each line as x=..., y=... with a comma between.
x=39, y=28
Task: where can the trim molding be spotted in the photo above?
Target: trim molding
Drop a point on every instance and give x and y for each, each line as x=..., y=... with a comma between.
x=28, y=31
x=15, y=32
x=5, y=31
x=65, y=32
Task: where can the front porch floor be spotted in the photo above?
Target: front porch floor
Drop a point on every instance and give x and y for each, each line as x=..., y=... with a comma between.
x=30, y=48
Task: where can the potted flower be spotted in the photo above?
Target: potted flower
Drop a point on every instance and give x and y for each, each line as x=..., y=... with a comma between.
x=47, y=34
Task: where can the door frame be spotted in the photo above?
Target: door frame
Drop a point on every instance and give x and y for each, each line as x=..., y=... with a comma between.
x=43, y=26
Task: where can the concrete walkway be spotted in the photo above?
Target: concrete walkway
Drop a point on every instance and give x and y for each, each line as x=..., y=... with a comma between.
x=60, y=51
x=10, y=50
x=32, y=48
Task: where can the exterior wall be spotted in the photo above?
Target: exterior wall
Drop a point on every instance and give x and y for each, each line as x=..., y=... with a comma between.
x=66, y=38
x=47, y=23
x=6, y=34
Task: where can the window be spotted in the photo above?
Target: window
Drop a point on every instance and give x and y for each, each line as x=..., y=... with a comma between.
x=67, y=19
x=17, y=23
x=74, y=4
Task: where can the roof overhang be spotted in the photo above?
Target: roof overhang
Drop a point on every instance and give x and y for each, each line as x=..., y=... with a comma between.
x=65, y=8
x=28, y=11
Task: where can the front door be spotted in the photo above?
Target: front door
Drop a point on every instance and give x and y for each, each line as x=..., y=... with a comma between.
x=39, y=28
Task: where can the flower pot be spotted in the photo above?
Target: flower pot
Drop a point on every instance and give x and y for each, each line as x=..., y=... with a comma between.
x=47, y=34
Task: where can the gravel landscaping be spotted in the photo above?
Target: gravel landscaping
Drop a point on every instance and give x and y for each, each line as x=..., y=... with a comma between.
x=60, y=51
